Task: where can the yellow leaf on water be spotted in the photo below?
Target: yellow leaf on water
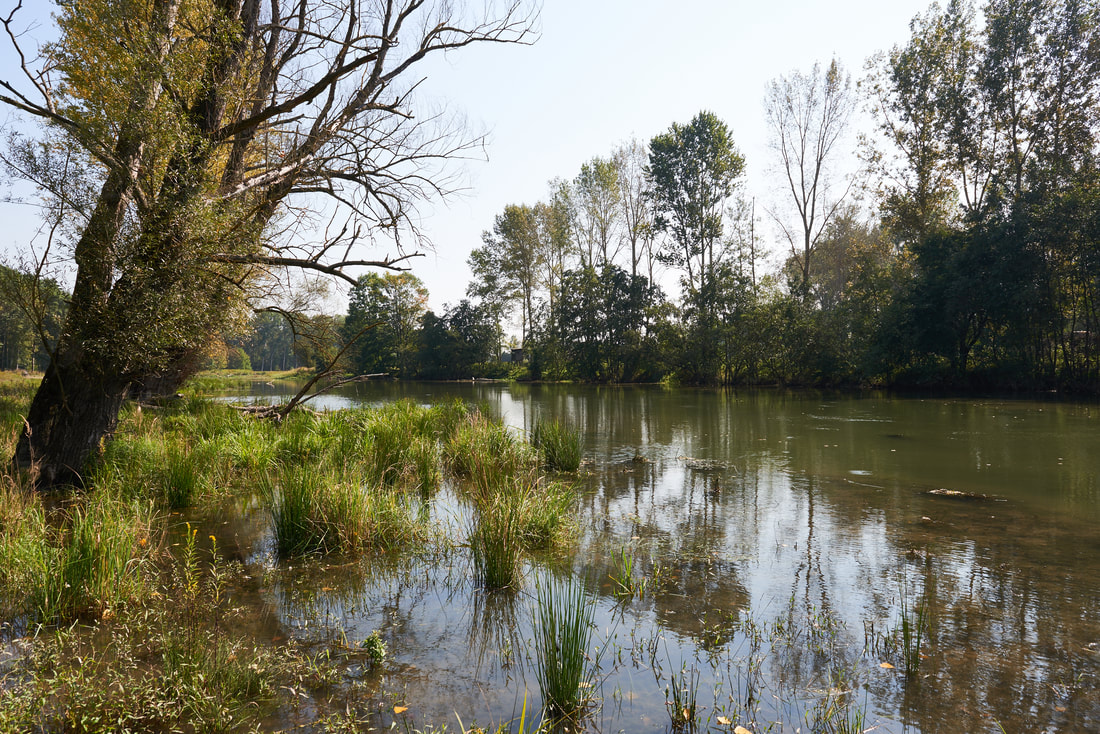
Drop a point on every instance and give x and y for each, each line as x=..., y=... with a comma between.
x=400, y=709
x=741, y=730
x=888, y=666
x=723, y=721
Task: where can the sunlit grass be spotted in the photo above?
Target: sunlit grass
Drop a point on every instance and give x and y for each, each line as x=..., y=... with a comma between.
x=315, y=513
x=558, y=444
x=563, y=630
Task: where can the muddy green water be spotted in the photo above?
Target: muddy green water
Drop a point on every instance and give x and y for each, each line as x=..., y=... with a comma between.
x=781, y=535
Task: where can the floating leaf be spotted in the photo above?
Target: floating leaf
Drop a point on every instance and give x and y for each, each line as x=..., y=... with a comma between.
x=741, y=730
x=400, y=709
x=722, y=720
x=888, y=666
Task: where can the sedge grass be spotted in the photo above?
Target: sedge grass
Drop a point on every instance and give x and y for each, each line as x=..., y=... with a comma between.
x=558, y=444
x=514, y=516
x=165, y=663
x=496, y=543
x=96, y=559
x=563, y=627
x=323, y=512
x=484, y=452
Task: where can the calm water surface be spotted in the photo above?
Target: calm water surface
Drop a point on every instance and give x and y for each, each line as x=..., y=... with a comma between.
x=781, y=534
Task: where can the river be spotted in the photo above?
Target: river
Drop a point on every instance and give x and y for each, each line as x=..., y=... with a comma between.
x=784, y=536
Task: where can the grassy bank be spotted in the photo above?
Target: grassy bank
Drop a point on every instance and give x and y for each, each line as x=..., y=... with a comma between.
x=127, y=627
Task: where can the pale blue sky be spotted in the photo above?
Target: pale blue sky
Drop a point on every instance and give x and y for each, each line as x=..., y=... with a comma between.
x=601, y=72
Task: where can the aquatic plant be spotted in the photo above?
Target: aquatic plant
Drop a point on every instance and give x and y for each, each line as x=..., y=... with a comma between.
x=484, y=453
x=322, y=512
x=496, y=542
x=563, y=628
x=93, y=560
x=911, y=630
x=517, y=514
x=905, y=640
x=627, y=582
x=558, y=444
x=182, y=477
x=681, y=699
x=374, y=648
x=165, y=662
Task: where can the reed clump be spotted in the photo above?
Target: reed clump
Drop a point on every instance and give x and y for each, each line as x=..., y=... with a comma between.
x=484, y=453
x=93, y=557
x=317, y=512
x=563, y=630
x=559, y=445
x=517, y=515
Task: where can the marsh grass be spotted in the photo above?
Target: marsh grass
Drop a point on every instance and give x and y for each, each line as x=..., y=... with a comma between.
x=401, y=450
x=906, y=639
x=496, y=543
x=518, y=515
x=485, y=453
x=167, y=663
x=182, y=478
x=102, y=555
x=628, y=581
x=563, y=629
x=316, y=512
x=910, y=633
x=681, y=699
x=93, y=557
x=558, y=444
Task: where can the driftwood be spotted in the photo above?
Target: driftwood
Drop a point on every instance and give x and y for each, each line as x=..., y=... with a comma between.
x=281, y=411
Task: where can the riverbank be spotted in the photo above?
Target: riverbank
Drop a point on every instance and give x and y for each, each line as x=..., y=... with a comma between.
x=770, y=559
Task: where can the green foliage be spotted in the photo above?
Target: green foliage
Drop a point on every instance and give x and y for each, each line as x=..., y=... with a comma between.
x=384, y=314
x=604, y=323
x=95, y=560
x=692, y=171
x=560, y=445
x=31, y=313
x=460, y=344
x=374, y=648
x=485, y=452
x=563, y=630
x=166, y=662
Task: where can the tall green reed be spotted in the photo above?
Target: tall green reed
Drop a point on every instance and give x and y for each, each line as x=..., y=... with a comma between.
x=563, y=629
x=559, y=445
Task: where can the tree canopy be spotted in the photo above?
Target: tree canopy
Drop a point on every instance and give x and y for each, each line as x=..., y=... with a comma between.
x=209, y=132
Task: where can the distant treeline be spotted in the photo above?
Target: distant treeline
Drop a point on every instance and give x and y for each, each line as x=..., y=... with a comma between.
x=31, y=313
x=971, y=261
x=980, y=266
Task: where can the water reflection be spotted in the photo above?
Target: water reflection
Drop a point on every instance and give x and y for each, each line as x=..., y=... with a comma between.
x=778, y=533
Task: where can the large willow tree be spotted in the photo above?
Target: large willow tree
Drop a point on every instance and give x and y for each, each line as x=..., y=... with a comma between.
x=204, y=132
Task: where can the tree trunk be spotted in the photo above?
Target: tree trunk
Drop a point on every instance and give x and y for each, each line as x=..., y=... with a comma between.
x=75, y=409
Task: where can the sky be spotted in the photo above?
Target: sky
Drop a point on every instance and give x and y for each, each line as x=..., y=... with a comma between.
x=605, y=71
x=600, y=73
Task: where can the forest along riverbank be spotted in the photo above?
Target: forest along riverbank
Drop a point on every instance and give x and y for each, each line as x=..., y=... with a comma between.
x=719, y=558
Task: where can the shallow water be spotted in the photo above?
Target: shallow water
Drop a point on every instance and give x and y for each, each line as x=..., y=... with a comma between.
x=781, y=534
